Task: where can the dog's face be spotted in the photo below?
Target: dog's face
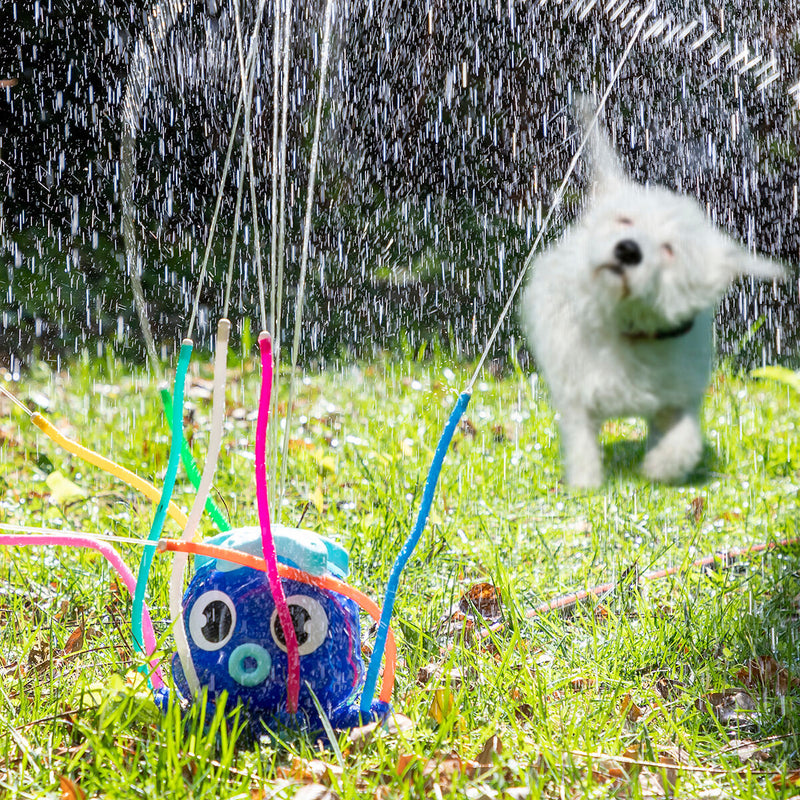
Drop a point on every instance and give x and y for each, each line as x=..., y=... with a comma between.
x=654, y=259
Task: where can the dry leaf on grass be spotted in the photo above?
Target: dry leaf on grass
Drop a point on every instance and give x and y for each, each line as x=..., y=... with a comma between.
x=404, y=761
x=75, y=641
x=629, y=709
x=492, y=749
x=69, y=789
x=652, y=781
x=766, y=672
x=440, y=770
x=453, y=677
x=581, y=683
x=747, y=750
x=669, y=688
x=314, y=791
x=366, y=734
x=467, y=428
x=789, y=779
x=314, y=771
x=477, y=613
x=442, y=704
x=730, y=707
x=696, y=509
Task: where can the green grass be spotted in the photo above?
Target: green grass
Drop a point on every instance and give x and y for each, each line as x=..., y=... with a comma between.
x=630, y=676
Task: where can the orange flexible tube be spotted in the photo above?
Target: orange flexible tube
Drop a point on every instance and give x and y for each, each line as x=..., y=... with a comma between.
x=321, y=581
x=125, y=475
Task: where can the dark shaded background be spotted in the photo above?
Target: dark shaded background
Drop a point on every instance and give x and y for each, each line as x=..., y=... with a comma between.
x=430, y=185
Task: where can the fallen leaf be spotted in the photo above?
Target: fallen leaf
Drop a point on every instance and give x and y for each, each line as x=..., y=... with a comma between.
x=581, y=683
x=601, y=612
x=468, y=428
x=439, y=770
x=667, y=777
x=746, y=750
x=789, y=779
x=69, y=789
x=442, y=704
x=317, y=498
x=730, y=707
x=62, y=489
x=766, y=672
x=499, y=434
x=631, y=711
x=483, y=599
x=404, y=761
x=427, y=672
x=396, y=723
x=314, y=771
x=491, y=750
x=454, y=677
x=314, y=791
x=633, y=752
x=75, y=641
x=442, y=771
x=669, y=688
x=696, y=509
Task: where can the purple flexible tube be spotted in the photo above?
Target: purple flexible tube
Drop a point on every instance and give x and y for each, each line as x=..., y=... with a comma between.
x=268, y=544
x=113, y=558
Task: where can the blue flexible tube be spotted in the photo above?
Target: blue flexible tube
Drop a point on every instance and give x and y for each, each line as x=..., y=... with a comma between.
x=166, y=494
x=408, y=548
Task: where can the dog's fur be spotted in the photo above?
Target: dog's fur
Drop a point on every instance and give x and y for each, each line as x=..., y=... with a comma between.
x=620, y=313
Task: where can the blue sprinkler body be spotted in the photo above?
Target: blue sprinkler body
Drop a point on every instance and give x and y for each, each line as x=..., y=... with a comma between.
x=237, y=644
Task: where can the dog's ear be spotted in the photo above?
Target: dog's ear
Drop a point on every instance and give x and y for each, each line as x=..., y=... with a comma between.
x=721, y=262
x=740, y=261
x=608, y=173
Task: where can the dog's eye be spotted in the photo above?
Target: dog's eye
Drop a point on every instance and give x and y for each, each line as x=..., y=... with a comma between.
x=667, y=250
x=624, y=221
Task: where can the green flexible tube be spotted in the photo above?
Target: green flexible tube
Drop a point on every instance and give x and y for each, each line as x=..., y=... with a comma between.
x=192, y=471
x=166, y=495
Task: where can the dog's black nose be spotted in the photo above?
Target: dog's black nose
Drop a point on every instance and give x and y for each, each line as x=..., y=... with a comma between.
x=628, y=252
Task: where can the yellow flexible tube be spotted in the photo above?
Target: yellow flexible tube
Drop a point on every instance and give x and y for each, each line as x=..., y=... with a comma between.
x=125, y=475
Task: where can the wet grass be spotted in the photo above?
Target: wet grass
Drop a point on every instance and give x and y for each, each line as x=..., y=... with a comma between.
x=642, y=676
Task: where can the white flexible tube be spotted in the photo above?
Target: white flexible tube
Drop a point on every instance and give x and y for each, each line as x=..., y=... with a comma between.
x=209, y=468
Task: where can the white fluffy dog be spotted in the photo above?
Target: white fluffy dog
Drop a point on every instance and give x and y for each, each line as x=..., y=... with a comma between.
x=620, y=313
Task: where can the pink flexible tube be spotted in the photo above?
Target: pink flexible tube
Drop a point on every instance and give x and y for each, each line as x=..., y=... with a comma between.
x=113, y=558
x=268, y=544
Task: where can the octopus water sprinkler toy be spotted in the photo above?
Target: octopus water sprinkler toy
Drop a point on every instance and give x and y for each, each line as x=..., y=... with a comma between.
x=229, y=631
x=286, y=644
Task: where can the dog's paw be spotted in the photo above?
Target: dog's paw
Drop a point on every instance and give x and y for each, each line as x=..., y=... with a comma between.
x=677, y=452
x=671, y=461
x=584, y=476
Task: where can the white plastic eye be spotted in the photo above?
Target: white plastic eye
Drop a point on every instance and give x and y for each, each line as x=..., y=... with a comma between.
x=310, y=624
x=212, y=620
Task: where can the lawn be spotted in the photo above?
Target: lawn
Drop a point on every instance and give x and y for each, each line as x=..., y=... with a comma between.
x=686, y=686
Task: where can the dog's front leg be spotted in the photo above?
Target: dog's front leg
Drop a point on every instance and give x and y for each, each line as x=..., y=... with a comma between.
x=676, y=445
x=583, y=463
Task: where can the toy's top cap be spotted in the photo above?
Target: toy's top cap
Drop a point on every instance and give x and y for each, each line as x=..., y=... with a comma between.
x=295, y=547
